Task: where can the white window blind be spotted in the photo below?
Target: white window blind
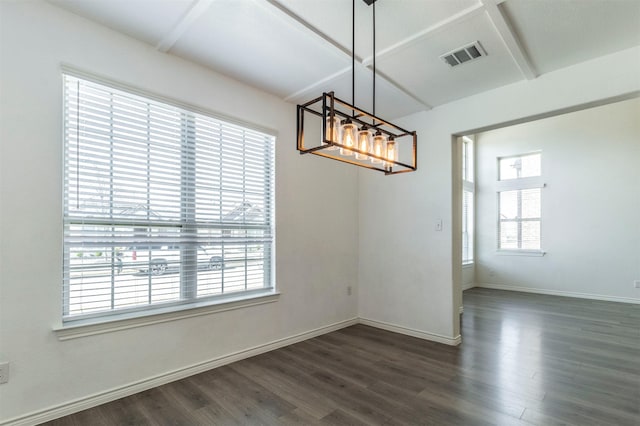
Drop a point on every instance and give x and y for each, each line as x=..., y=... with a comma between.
x=468, y=206
x=467, y=226
x=468, y=173
x=162, y=206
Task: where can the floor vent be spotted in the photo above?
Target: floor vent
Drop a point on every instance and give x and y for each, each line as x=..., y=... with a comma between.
x=464, y=54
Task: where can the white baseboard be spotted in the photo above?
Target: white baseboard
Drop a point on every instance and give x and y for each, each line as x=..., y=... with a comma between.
x=560, y=293
x=142, y=385
x=452, y=341
x=468, y=286
x=94, y=400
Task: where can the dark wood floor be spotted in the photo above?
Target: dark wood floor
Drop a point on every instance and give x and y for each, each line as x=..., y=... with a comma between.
x=525, y=359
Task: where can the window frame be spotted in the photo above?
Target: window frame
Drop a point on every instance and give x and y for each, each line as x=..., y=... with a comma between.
x=518, y=184
x=505, y=157
x=468, y=186
x=184, y=306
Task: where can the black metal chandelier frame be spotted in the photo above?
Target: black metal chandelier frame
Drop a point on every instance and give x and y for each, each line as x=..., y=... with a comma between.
x=328, y=107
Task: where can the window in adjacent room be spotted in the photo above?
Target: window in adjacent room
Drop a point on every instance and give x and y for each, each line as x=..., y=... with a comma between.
x=468, y=192
x=520, y=166
x=519, y=202
x=164, y=206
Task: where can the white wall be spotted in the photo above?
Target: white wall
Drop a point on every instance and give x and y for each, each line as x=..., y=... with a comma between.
x=468, y=276
x=403, y=266
x=590, y=206
x=407, y=274
x=316, y=261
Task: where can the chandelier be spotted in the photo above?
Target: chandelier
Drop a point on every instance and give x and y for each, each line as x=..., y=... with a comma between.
x=341, y=131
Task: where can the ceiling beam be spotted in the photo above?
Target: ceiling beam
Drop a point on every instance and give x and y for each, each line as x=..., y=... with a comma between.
x=401, y=88
x=508, y=36
x=196, y=10
x=347, y=52
x=427, y=32
x=306, y=25
x=314, y=87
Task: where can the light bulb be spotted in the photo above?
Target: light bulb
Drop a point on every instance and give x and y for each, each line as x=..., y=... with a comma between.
x=348, y=137
x=333, y=132
x=392, y=151
x=364, y=142
x=379, y=147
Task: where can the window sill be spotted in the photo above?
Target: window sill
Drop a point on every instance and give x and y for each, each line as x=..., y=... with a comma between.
x=83, y=328
x=467, y=265
x=533, y=253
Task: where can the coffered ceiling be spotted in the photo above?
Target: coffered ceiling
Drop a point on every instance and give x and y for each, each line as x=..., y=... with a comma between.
x=296, y=49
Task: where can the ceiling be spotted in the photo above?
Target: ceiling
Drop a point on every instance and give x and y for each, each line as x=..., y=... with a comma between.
x=297, y=49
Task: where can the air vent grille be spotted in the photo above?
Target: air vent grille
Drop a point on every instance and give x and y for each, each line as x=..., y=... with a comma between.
x=464, y=54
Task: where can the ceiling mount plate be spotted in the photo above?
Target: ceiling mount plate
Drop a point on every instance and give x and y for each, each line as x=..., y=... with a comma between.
x=369, y=2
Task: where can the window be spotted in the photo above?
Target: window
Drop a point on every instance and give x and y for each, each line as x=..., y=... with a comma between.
x=520, y=166
x=520, y=219
x=163, y=206
x=468, y=191
x=467, y=227
x=519, y=202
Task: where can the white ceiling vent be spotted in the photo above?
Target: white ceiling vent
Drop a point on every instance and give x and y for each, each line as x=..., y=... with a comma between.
x=464, y=54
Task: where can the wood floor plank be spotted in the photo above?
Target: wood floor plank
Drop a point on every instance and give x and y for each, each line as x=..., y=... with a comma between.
x=526, y=359
x=293, y=391
x=244, y=405
x=340, y=418
x=159, y=408
x=298, y=417
x=475, y=409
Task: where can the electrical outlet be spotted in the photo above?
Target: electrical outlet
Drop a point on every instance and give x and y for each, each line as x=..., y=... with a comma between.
x=636, y=283
x=349, y=291
x=4, y=372
x=439, y=225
